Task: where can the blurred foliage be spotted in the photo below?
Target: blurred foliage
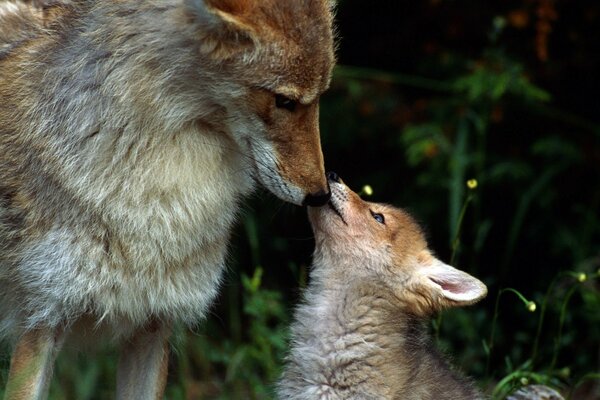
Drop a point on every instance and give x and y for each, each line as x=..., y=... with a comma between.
x=428, y=95
x=243, y=366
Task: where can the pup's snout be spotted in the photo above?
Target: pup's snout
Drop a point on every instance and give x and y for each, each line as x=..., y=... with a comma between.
x=317, y=199
x=332, y=176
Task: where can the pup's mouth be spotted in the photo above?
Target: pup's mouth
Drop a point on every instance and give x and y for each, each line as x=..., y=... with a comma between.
x=332, y=205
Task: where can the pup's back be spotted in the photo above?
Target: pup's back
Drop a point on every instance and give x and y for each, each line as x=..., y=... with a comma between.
x=361, y=332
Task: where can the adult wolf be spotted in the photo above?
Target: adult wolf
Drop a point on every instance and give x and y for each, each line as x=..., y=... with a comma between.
x=129, y=133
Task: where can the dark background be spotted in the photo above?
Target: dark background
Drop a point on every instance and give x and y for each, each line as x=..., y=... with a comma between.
x=432, y=93
x=429, y=94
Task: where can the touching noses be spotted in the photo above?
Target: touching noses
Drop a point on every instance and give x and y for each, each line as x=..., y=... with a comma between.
x=321, y=197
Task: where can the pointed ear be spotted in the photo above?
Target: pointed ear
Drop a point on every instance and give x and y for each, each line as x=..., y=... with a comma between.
x=221, y=25
x=451, y=286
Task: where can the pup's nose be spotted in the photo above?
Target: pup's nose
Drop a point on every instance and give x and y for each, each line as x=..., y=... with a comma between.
x=332, y=176
x=317, y=199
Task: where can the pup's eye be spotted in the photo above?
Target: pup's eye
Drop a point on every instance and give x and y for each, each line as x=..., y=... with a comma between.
x=285, y=102
x=378, y=217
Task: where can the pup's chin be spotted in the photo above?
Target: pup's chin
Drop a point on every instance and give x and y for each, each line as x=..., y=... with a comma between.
x=315, y=216
x=323, y=221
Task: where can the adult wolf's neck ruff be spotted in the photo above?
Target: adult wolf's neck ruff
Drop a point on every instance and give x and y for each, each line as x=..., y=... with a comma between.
x=129, y=133
x=123, y=147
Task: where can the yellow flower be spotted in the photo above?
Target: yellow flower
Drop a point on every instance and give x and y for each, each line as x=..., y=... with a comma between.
x=565, y=372
x=472, y=184
x=367, y=189
x=581, y=277
x=531, y=306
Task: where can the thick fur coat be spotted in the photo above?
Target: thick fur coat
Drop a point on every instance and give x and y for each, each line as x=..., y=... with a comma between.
x=360, y=332
x=129, y=133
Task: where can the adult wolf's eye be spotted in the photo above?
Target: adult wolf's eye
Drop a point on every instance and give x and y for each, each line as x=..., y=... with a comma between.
x=378, y=217
x=285, y=102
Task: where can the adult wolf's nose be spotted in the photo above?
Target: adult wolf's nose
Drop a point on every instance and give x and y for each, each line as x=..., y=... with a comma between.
x=321, y=197
x=317, y=199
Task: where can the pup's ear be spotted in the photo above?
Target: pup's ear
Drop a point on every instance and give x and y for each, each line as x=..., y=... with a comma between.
x=448, y=285
x=221, y=25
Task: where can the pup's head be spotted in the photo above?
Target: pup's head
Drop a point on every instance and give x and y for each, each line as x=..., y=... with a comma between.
x=275, y=59
x=362, y=240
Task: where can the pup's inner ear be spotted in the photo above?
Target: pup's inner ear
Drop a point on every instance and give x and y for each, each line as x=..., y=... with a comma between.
x=452, y=286
x=221, y=24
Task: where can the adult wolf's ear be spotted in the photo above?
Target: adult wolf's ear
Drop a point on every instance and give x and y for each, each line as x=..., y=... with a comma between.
x=447, y=286
x=220, y=25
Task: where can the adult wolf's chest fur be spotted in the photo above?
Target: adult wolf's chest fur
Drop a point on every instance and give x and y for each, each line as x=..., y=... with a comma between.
x=129, y=200
x=145, y=236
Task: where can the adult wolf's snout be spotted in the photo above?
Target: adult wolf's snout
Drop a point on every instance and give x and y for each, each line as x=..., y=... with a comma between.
x=321, y=197
x=317, y=199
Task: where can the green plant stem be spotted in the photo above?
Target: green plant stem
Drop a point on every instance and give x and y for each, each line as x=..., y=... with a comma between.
x=455, y=245
x=461, y=216
x=563, y=312
x=494, y=321
x=538, y=333
x=500, y=391
x=543, y=308
x=491, y=341
x=479, y=165
x=458, y=166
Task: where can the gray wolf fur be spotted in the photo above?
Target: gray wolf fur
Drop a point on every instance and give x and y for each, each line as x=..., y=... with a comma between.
x=130, y=131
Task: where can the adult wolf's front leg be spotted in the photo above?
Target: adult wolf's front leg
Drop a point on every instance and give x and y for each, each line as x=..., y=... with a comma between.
x=142, y=370
x=31, y=364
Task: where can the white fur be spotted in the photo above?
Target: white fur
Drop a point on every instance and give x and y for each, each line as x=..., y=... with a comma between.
x=333, y=334
x=144, y=148
x=194, y=215
x=8, y=7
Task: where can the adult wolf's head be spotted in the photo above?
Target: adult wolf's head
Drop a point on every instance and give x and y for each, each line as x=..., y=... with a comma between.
x=272, y=60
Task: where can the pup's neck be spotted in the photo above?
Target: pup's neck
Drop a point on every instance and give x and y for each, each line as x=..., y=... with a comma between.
x=349, y=333
x=359, y=330
x=347, y=303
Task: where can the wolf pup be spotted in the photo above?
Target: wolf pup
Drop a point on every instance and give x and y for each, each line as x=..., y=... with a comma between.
x=360, y=333
x=129, y=133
